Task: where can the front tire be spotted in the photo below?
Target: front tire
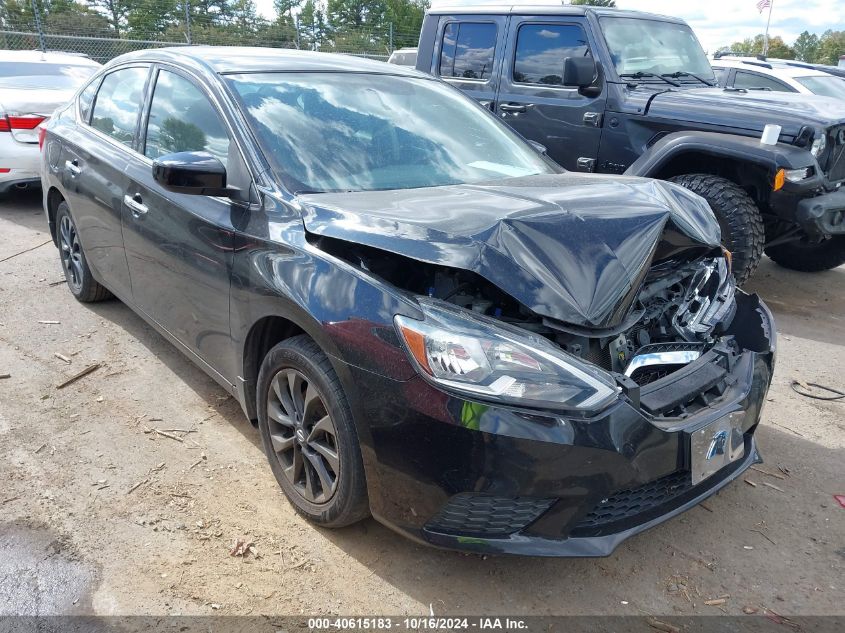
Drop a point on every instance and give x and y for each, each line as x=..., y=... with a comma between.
x=810, y=257
x=308, y=434
x=78, y=275
x=743, y=233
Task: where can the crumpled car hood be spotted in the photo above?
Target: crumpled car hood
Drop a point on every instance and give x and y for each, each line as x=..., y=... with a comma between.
x=570, y=247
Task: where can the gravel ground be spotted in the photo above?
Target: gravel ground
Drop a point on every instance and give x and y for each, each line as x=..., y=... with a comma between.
x=100, y=513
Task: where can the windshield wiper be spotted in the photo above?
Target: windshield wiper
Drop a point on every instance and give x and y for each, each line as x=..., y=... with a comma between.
x=642, y=75
x=683, y=73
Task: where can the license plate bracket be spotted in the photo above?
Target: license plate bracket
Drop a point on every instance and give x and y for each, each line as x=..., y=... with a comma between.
x=716, y=445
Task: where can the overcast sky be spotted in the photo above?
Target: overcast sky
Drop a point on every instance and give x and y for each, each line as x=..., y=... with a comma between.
x=716, y=22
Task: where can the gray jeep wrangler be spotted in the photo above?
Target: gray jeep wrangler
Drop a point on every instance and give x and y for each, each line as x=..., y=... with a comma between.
x=613, y=91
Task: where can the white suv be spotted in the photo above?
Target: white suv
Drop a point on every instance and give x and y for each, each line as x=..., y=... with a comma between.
x=32, y=85
x=749, y=73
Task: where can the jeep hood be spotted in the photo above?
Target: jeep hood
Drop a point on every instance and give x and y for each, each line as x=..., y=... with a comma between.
x=750, y=111
x=570, y=247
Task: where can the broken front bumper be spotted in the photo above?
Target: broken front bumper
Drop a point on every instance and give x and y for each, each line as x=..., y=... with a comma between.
x=470, y=476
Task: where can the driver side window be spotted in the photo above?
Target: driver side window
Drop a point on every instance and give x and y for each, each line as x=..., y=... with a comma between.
x=541, y=49
x=182, y=119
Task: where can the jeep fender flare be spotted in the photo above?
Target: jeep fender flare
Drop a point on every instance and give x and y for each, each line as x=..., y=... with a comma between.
x=655, y=162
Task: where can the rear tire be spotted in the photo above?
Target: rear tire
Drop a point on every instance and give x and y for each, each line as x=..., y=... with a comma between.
x=743, y=233
x=309, y=436
x=78, y=275
x=810, y=257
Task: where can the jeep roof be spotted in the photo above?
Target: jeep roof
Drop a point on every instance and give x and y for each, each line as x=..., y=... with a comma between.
x=545, y=9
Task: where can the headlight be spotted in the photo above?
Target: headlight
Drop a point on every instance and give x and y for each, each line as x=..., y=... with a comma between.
x=819, y=145
x=486, y=359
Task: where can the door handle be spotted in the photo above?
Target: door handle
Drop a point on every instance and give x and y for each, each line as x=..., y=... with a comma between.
x=73, y=167
x=513, y=107
x=135, y=205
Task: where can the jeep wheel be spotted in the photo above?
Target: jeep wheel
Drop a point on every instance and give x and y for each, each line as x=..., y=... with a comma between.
x=743, y=233
x=810, y=257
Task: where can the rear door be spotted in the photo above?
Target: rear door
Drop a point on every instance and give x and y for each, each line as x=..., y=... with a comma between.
x=95, y=155
x=468, y=54
x=179, y=246
x=532, y=99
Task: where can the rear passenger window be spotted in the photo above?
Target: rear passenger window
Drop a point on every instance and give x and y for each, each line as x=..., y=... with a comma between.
x=756, y=81
x=541, y=49
x=467, y=50
x=118, y=103
x=182, y=119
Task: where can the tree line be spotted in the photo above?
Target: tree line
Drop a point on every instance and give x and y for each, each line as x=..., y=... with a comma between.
x=361, y=25
x=809, y=47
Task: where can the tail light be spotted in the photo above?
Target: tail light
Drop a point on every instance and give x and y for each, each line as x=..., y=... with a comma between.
x=20, y=122
x=42, y=133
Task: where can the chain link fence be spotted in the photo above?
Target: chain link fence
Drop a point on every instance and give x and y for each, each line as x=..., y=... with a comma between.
x=102, y=41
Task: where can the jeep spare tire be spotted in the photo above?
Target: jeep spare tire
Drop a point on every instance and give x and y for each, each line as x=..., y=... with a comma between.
x=743, y=233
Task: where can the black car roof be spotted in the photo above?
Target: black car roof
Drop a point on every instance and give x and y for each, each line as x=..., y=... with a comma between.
x=546, y=9
x=232, y=59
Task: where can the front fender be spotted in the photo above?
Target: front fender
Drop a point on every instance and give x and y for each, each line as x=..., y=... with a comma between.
x=771, y=158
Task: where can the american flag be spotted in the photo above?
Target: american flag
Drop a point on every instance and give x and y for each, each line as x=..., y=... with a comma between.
x=763, y=4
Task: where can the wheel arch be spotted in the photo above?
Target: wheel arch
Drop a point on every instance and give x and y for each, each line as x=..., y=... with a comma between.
x=741, y=159
x=53, y=199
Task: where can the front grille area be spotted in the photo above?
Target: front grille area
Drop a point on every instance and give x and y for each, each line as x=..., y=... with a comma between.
x=627, y=504
x=487, y=516
x=835, y=164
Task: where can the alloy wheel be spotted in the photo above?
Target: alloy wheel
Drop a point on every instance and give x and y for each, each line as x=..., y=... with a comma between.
x=71, y=252
x=303, y=436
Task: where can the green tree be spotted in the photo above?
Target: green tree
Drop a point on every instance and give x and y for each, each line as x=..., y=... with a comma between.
x=115, y=11
x=754, y=46
x=150, y=19
x=806, y=47
x=406, y=16
x=596, y=3
x=349, y=14
x=831, y=47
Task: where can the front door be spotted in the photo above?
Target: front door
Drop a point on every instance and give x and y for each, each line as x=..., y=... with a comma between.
x=532, y=99
x=179, y=246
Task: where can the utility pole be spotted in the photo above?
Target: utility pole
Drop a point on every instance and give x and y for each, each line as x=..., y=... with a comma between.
x=188, y=21
x=766, y=36
x=37, y=17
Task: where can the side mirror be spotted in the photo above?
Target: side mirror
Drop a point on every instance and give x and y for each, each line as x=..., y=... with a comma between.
x=197, y=173
x=579, y=72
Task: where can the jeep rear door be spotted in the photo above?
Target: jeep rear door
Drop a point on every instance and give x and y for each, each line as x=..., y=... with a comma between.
x=468, y=53
x=531, y=96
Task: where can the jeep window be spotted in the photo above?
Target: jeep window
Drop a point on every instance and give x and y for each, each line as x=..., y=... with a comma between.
x=336, y=132
x=755, y=81
x=653, y=46
x=827, y=86
x=467, y=50
x=541, y=49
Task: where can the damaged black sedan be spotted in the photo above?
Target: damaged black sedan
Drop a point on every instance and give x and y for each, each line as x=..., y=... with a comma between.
x=427, y=320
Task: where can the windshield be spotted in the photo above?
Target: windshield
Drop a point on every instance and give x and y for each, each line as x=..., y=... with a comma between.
x=44, y=74
x=359, y=132
x=652, y=46
x=828, y=86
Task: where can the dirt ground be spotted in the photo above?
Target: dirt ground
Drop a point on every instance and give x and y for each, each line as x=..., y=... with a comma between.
x=100, y=513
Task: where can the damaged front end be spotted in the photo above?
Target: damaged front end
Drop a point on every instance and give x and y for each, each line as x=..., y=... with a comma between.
x=579, y=412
